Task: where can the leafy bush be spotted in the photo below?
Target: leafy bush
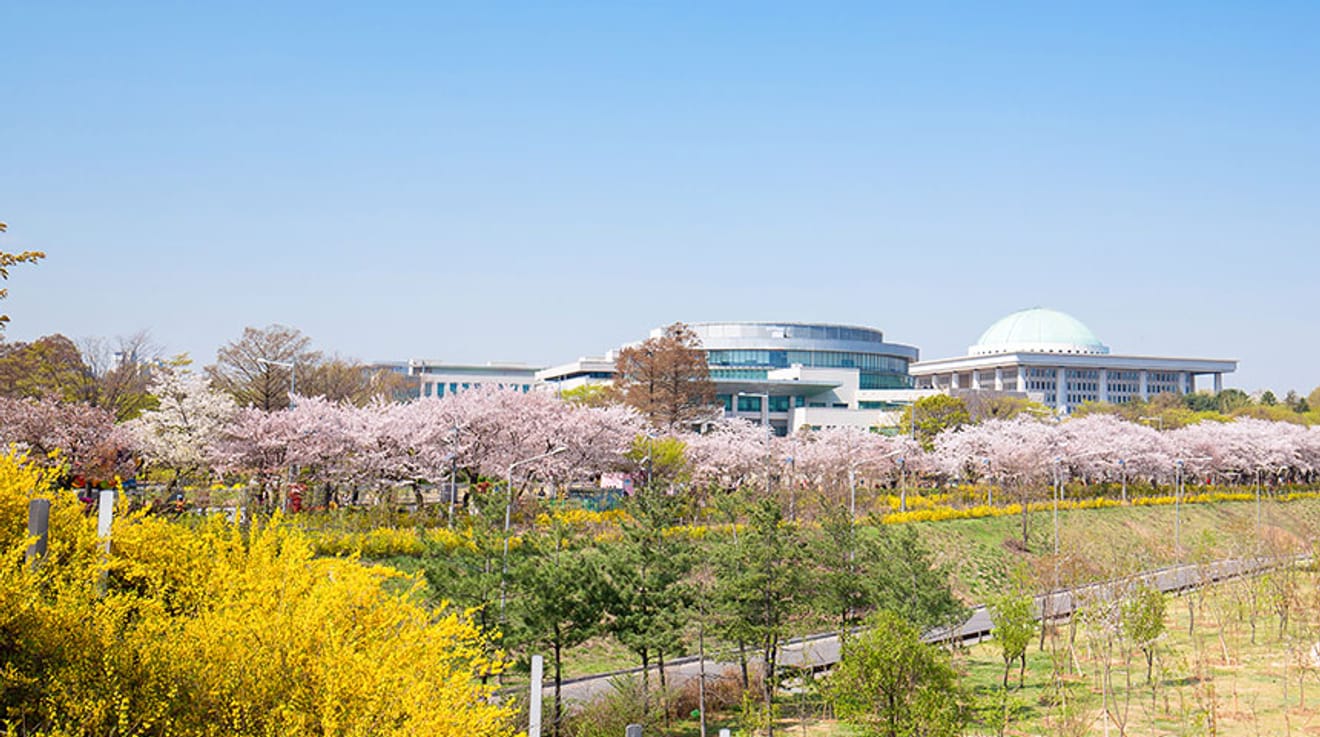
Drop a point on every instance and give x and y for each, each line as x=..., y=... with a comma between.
x=209, y=630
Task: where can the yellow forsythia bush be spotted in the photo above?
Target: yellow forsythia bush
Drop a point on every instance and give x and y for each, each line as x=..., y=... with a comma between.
x=939, y=513
x=207, y=631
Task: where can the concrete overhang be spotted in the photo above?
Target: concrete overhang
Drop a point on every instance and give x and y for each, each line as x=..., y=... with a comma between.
x=773, y=387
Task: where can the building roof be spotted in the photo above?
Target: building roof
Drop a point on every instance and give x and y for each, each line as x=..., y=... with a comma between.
x=1039, y=330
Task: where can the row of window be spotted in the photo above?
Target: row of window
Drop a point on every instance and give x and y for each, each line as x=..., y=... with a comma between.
x=753, y=404
x=455, y=387
x=876, y=380
x=813, y=359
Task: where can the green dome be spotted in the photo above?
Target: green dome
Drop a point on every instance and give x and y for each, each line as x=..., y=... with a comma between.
x=1039, y=330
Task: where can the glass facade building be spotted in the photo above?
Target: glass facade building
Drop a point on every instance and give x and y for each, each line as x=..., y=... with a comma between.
x=748, y=350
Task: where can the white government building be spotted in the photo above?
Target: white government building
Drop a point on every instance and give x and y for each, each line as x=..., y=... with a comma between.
x=1052, y=358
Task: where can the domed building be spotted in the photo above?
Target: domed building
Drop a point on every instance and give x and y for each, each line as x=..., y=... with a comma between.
x=1053, y=358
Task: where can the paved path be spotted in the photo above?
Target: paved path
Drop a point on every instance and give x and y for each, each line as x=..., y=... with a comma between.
x=822, y=650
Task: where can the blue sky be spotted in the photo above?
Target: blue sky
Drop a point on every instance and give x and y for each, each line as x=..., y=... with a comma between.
x=535, y=182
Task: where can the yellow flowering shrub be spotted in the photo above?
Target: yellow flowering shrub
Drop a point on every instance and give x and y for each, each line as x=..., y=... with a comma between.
x=926, y=512
x=211, y=631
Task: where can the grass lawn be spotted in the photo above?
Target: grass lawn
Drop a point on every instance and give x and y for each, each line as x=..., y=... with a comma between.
x=981, y=554
x=1215, y=682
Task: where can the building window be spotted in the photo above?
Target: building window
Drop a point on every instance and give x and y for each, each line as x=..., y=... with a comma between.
x=780, y=404
x=749, y=404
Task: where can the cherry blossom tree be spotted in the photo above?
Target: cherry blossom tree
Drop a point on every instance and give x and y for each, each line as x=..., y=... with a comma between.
x=188, y=419
x=729, y=455
x=75, y=440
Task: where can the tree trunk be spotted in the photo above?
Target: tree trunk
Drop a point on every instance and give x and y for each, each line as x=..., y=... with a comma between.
x=646, y=682
x=701, y=673
x=559, y=703
x=742, y=661
x=771, y=651
x=664, y=693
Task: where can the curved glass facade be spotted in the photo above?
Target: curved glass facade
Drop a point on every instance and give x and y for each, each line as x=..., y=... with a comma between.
x=747, y=350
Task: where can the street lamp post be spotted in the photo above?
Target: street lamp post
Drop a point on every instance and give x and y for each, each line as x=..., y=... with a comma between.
x=902, y=484
x=792, y=484
x=1177, y=497
x=1122, y=464
x=508, y=513
x=1057, y=492
x=989, y=484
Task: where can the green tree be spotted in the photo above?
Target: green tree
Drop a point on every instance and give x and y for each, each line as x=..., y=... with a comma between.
x=890, y=683
x=666, y=378
x=49, y=367
x=935, y=414
x=13, y=259
x=589, y=395
x=1230, y=400
x=760, y=585
x=910, y=583
x=1201, y=402
x=561, y=598
x=648, y=570
x=1143, y=621
x=1268, y=399
x=1013, y=621
x=861, y=569
x=468, y=575
x=662, y=459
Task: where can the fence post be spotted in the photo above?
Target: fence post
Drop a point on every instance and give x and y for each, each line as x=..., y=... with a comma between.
x=724, y=733
x=534, y=704
x=38, y=527
x=105, y=514
x=633, y=730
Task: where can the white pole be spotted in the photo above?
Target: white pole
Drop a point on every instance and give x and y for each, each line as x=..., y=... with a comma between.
x=105, y=515
x=534, y=705
x=39, y=528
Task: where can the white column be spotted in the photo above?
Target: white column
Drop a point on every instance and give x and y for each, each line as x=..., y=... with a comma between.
x=1104, y=385
x=1145, y=391
x=999, y=378
x=1219, y=383
x=976, y=380
x=1022, y=378
x=534, y=702
x=1061, y=388
x=953, y=380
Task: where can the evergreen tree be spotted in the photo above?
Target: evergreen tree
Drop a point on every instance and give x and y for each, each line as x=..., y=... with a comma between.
x=561, y=599
x=761, y=585
x=650, y=596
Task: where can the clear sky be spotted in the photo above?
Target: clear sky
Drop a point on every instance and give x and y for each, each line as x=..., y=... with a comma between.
x=534, y=182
